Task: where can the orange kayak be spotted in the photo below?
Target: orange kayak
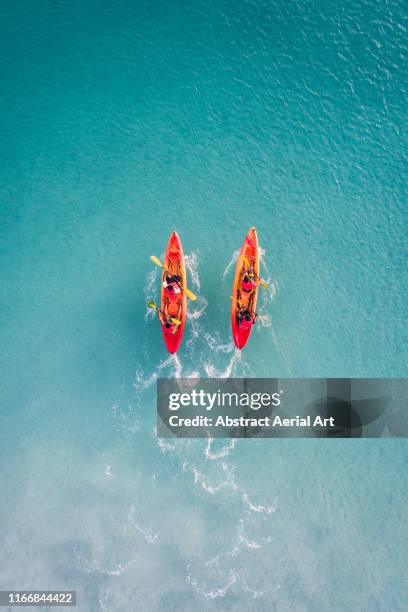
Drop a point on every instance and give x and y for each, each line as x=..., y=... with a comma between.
x=173, y=295
x=245, y=301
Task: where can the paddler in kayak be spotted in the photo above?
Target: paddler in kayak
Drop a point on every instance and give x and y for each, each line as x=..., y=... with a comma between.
x=248, y=283
x=245, y=318
x=166, y=320
x=172, y=286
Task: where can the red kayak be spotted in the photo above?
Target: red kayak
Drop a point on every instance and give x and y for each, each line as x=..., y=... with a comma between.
x=173, y=294
x=243, y=302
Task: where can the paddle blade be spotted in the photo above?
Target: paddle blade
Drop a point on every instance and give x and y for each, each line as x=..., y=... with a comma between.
x=176, y=321
x=263, y=284
x=191, y=295
x=156, y=260
x=151, y=305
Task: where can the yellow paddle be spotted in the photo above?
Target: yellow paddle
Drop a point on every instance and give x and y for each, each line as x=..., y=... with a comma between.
x=237, y=300
x=189, y=293
x=172, y=319
x=261, y=281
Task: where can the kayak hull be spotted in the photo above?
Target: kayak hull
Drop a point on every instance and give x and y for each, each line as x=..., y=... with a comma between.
x=249, y=250
x=175, y=264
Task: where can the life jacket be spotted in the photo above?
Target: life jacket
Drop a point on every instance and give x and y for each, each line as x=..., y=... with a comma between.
x=171, y=293
x=247, y=286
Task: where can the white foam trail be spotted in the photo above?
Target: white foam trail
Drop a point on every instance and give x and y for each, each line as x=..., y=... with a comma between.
x=149, y=290
x=150, y=314
x=223, y=452
x=243, y=543
x=256, y=507
x=252, y=544
x=119, y=569
x=127, y=420
x=230, y=553
x=194, y=321
x=265, y=298
x=192, y=267
x=193, y=315
x=150, y=286
x=195, y=375
x=200, y=478
x=273, y=288
x=103, y=599
x=142, y=383
x=268, y=296
x=230, y=263
x=255, y=594
x=212, y=372
x=116, y=571
x=268, y=277
x=177, y=446
x=215, y=344
x=148, y=534
x=220, y=591
x=195, y=309
x=264, y=321
x=177, y=365
x=285, y=358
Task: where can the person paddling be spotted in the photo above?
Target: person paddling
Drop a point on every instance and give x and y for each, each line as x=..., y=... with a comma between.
x=171, y=285
x=170, y=326
x=167, y=322
x=248, y=282
x=245, y=318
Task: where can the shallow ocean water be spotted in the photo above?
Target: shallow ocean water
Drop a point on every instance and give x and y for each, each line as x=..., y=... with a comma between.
x=120, y=123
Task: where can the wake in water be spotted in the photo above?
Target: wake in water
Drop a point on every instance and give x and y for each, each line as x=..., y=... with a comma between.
x=223, y=452
x=269, y=294
x=266, y=299
x=216, y=345
x=213, y=372
x=230, y=264
x=144, y=382
x=221, y=574
x=192, y=266
x=228, y=481
x=203, y=464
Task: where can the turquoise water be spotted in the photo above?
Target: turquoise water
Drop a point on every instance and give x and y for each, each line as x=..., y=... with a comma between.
x=121, y=122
